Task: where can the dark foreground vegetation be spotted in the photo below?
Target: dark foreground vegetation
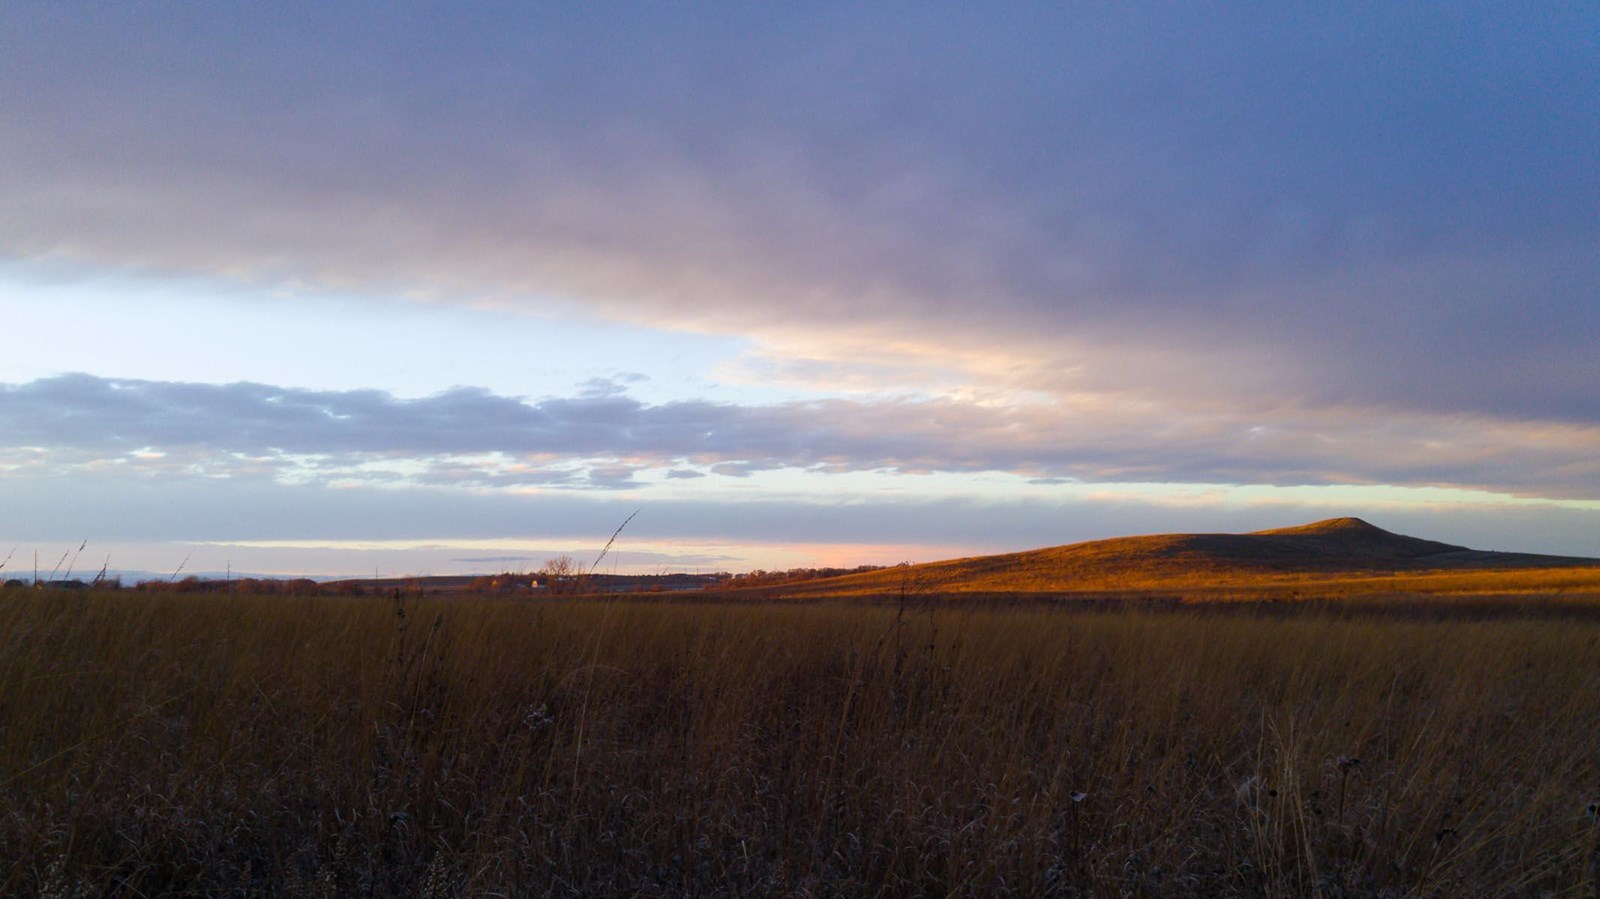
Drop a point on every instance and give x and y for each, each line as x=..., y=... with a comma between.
x=167, y=744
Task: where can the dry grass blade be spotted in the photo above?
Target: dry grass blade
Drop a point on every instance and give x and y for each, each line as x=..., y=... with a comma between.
x=614, y=534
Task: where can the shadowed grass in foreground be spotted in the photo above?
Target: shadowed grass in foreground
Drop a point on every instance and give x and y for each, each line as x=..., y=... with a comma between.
x=157, y=744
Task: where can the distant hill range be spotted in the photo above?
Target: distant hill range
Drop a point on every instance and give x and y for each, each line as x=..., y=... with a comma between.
x=1339, y=556
x=1338, y=549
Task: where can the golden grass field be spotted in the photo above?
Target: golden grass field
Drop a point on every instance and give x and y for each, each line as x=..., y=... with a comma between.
x=227, y=745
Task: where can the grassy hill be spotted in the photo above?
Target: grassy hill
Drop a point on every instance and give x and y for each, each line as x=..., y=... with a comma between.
x=1325, y=554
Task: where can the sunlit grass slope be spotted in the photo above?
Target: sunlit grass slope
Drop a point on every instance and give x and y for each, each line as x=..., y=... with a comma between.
x=225, y=745
x=1338, y=556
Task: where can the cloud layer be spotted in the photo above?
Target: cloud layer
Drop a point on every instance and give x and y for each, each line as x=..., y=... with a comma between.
x=473, y=438
x=1366, y=205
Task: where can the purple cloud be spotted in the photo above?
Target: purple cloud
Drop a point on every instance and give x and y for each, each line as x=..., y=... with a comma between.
x=1362, y=205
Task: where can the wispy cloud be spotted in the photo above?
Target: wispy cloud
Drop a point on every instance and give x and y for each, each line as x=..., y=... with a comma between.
x=177, y=507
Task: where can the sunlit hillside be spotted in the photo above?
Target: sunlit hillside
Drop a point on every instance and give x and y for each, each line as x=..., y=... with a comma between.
x=1340, y=555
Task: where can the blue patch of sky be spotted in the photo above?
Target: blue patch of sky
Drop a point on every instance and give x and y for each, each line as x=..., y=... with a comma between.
x=63, y=318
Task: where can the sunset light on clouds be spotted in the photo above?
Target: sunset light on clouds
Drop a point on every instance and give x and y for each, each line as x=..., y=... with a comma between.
x=306, y=288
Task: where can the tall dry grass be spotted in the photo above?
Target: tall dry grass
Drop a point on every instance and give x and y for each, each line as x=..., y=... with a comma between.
x=195, y=745
x=1048, y=572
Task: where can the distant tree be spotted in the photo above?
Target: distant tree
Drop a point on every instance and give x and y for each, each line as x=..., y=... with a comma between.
x=562, y=574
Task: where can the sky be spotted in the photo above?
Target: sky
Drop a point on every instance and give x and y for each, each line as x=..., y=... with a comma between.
x=329, y=289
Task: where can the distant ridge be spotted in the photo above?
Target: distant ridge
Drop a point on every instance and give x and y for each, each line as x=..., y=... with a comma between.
x=1333, y=548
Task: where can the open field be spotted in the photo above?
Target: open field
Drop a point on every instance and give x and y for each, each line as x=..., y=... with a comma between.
x=237, y=745
x=1430, y=591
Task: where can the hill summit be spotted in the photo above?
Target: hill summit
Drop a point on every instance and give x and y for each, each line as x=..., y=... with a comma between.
x=1333, y=526
x=1356, y=541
